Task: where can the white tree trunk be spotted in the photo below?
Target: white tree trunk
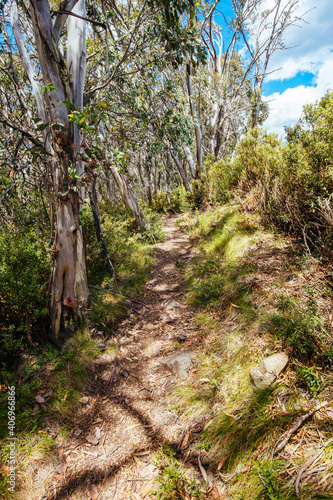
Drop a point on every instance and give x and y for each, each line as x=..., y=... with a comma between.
x=197, y=128
x=69, y=284
x=76, y=66
x=190, y=160
x=128, y=197
x=180, y=169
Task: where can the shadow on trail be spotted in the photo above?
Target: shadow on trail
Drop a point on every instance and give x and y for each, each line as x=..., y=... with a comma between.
x=98, y=474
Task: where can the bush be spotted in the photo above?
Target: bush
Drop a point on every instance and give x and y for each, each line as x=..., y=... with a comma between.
x=300, y=325
x=292, y=184
x=222, y=176
x=259, y=163
x=198, y=194
x=160, y=204
x=131, y=256
x=24, y=275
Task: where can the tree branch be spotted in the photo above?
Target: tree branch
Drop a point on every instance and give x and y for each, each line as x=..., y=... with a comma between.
x=68, y=13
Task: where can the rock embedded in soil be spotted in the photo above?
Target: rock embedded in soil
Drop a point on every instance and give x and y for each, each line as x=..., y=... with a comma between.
x=269, y=368
x=179, y=337
x=180, y=363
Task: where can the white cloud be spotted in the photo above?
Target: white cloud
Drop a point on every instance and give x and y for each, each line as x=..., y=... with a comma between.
x=310, y=41
x=286, y=108
x=312, y=52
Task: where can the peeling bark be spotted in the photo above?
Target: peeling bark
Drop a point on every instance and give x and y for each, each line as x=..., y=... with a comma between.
x=197, y=128
x=64, y=275
x=190, y=160
x=69, y=277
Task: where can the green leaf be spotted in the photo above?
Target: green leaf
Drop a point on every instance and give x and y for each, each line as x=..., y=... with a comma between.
x=58, y=126
x=69, y=104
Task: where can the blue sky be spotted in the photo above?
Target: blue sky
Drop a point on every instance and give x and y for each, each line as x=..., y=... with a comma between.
x=306, y=68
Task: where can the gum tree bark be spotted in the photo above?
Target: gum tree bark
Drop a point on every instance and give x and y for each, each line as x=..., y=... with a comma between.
x=190, y=160
x=69, y=277
x=167, y=178
x=180, y=169
x=197, y=129
x=129, y=198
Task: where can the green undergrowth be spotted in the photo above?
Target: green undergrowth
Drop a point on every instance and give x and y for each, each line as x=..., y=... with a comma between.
x=131, y=253
x=50, y=382
x=216, y=276
x=178, y=201
x=255, y=295
x=173, y=481
x=48, y=387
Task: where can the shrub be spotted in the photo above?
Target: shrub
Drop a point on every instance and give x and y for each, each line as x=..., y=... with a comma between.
x=24, y=275
x=301, y=327
x=172, y=479
x=161, y=205
x=222, y=176
x=198, y=194
x=292, y=184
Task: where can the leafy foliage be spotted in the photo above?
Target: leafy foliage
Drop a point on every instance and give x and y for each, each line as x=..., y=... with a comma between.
x=291, y=184
x=173, y=484
x=271, y=489
x=300, y=324
x=24, y=275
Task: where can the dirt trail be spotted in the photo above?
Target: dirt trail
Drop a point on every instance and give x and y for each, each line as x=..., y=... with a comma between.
x=128, y=402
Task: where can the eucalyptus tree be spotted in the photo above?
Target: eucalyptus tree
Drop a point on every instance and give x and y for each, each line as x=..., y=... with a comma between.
x=61, y=85
x=52, y=46
x=263, y=25
x=145, y=110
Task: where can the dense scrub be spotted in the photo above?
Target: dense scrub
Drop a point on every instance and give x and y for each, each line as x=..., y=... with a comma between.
x=290, y=184
x=24, y=276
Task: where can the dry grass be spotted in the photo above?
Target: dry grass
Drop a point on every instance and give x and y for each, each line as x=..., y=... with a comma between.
x=251, y=269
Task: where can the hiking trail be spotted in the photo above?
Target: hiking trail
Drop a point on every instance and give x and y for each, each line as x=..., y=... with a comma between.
x=127, y=414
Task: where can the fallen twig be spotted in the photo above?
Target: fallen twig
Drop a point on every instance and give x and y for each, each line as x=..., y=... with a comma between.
x=310, y=461
x=230, y=477
x=202, y=470
x=295, y=427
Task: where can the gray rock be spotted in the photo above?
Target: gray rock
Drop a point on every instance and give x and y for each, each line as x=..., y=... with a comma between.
x=274, y=364
x=180, y=363
x=269, y=368
x=261, y=380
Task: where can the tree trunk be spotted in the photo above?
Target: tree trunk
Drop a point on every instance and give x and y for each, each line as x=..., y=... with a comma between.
x=108, y=184
x=69, y=277
x=179, y=166
x=190, y=160
x=98, y=227
x=128, y=197
x=195, y=120
x=76, y=65
x=167, y=178
x=65, y=248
